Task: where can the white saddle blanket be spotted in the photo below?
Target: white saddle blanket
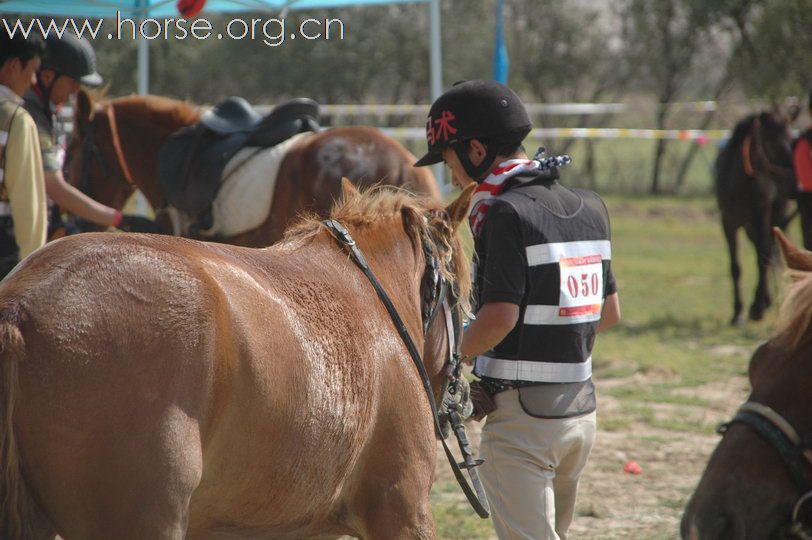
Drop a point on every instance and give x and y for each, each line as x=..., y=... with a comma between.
x=246, y=194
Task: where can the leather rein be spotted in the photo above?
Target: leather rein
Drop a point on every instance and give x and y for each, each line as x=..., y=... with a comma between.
x=438, y=291
x=795, y=452
x=91, y=150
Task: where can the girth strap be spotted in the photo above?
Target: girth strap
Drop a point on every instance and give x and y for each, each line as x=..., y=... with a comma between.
x=477, y=500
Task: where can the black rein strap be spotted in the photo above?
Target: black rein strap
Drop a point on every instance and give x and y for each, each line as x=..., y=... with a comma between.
x=478, y=500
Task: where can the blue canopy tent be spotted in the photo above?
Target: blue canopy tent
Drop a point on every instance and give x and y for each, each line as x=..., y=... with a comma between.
x=140, y=9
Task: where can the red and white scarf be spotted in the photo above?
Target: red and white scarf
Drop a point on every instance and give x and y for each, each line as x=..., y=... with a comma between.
x=496, y=181
x=493, y=185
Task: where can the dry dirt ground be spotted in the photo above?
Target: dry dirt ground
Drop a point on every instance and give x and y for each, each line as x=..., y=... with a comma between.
x=614, y=504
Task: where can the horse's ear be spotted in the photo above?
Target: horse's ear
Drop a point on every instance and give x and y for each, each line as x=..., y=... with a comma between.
x=458, y=210
x=84, y=106
x=796, y=259
x=348, y=189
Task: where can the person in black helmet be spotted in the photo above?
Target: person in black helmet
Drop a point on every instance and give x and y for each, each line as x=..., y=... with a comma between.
x=544, y=289
x=69, y=63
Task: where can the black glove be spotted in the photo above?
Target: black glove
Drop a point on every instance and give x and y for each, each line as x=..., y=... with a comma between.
x=130, y=223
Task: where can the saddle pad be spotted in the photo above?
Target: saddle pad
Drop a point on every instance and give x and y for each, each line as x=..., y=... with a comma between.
x=246, y=194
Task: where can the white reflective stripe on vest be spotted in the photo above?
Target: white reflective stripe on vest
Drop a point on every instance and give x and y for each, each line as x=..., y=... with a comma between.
x=542, y=314
x=525, y=370
x=554, y=252
x=5, y=209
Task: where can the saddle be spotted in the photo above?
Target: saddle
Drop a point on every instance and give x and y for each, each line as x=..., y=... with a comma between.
x=191, y=162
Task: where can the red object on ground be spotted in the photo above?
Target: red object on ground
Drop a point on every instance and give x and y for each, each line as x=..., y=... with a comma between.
x=632, y=467
x=190, y=8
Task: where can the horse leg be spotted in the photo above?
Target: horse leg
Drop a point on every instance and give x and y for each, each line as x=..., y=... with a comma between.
x=735, y=270
x=393, y=503
x=761, y=235
x=131, y=486
x=400, y=519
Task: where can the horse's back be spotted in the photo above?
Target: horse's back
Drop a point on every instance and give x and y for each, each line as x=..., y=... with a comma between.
x=364, y=155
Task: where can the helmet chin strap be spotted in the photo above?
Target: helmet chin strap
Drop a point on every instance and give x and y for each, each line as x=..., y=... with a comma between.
x=46, y=91
x=476, y=172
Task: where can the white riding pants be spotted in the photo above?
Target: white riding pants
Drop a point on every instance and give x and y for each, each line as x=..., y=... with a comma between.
x=531, y=470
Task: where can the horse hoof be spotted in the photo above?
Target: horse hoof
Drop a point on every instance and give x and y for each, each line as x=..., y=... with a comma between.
x=737, y=321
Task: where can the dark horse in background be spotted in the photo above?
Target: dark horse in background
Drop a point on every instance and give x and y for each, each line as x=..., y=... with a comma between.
x=118, y=143
x=754, y=184
x=758, y=482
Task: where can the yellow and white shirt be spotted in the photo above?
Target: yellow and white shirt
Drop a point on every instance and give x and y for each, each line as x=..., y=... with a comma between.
x=21, y=174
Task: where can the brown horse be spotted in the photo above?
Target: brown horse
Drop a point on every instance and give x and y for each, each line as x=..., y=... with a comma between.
x=159, y=387
x=759, y=478
x=754, y=183
x=121, y=153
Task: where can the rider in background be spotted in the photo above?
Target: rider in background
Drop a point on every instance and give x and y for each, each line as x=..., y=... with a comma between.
x=69, y=62
x=802, y=161
x=23, y=214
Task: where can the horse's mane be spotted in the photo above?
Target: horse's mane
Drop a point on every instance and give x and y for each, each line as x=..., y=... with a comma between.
x=796, y=311
x=741, y=130
x=166, y=112
x=419, y=215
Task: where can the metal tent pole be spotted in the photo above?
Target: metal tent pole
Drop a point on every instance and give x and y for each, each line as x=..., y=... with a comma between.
x=143, y=49
x=436, y=72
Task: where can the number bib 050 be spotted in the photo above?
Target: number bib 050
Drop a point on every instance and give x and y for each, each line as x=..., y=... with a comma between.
x=581, y=287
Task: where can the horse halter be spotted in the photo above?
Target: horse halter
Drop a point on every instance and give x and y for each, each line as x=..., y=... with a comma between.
x=90, y=150
x=795, y=452
x=434, y=294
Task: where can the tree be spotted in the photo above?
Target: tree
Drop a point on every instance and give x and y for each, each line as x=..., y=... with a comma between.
x=662, y=37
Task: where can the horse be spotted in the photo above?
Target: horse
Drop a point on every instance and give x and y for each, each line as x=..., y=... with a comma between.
x=754, y=181
x=165, y=388
x=116, y=143
x=757, y=482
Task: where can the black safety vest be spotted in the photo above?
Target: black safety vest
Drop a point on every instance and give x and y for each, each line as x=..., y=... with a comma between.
x=568, y=277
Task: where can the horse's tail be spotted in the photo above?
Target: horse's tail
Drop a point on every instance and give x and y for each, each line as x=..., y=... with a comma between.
x=17, y=508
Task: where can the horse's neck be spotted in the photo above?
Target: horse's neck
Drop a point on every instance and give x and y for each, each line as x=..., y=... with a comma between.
x=142, y=150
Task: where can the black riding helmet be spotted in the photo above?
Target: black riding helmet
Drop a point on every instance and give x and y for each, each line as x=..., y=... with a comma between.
x=73, y=57
x=481, y=109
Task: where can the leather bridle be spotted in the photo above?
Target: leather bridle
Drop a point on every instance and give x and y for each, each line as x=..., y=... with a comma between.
x=795, y=452
x=91, y=151
x=434, y=294
x=754, y=143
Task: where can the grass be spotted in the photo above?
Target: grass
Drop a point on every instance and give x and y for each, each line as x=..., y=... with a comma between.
x=671, y=267
x=672, y=272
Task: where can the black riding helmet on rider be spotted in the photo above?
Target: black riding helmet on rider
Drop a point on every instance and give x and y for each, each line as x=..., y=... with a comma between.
x=484, y=110
x=69, y=56
x=72, y=56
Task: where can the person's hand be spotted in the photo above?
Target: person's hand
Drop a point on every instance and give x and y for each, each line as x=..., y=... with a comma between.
x=141, y=224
